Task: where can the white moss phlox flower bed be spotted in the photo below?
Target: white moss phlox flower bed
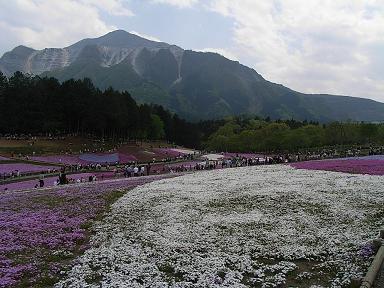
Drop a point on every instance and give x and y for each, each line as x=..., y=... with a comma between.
x=270, y=226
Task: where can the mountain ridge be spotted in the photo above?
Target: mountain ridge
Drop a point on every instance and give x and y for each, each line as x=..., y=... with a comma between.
x=196, y=85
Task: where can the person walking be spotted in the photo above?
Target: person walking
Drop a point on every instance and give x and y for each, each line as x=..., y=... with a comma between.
x=148, y=168
x=136, y=171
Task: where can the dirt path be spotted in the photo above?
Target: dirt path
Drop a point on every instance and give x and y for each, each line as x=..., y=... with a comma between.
x=379, y=282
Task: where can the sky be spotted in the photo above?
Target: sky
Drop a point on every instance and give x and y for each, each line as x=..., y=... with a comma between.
x=312, y=46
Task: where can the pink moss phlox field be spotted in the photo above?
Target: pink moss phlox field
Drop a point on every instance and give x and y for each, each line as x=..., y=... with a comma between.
x=2, y=158
x=85, y=159
x=125, y=158
x=100, y=158
x=49, y=181
x=168, y=152
x=40, y=228
x=356, y=166
x=24, y=168
x=61, y=159
x=370, y=157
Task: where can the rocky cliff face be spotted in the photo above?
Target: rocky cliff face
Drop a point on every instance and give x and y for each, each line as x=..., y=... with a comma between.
x=108, y=50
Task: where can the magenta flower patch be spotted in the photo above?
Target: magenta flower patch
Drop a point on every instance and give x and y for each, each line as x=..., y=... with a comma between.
x=167, y=152
x=24, y=168
x=125, y=158
x=355, y=166
x=49, y=181
x=100, y=158
x=41, y=230
x=85, y=159
x=60, y=159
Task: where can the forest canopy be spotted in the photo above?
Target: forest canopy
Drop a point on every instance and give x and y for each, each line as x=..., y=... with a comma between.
x=279, y=136
x=35, y=105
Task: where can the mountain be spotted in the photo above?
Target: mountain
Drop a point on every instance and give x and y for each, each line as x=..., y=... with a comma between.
x=195, y=85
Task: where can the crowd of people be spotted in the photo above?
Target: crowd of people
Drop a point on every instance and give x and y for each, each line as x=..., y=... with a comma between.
x=135, y=170
x=189, y=163
x=18, y=174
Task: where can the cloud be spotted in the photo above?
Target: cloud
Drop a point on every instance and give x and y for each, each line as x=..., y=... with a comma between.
x=312, y=46
x=146, y=36
x=224, y=52
x=46, y=23
x=177, y=3
x=113, y=7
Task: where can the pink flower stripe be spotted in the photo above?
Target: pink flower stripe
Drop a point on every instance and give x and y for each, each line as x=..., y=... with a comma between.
x=24, y=168
x=38, y=226
x=49, y=181
x=356, y=166
x=61, y=159
x=167, y=152
x=125, y=158
x=85, y=159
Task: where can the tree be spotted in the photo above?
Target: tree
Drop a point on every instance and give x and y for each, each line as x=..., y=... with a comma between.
x=157, y=128
x=368, y=131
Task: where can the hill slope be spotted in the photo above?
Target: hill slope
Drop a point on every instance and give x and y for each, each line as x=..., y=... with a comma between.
x=196, y=85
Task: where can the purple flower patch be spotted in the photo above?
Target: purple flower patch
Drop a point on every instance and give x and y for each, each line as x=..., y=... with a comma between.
x=100, y=158
x=355, y=166
x=86, y=159
x=49, y=181
x=125, y=158
x=167, y=152
x=366, y=250
x=60, y=159
x=24, y=168
x=42, y=229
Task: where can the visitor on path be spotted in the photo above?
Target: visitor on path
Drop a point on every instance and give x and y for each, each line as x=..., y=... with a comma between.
x=63, y=179
x=148, y=168
x=136, y=171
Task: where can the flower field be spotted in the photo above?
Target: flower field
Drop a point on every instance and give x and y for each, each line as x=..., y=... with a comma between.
x=60, y=159
x=49, y=181
x=372, y=165
x=260, y=226
x=370, y=157
x=170, y=152
x=24, y=168
x=41, y=231
x=87, y=158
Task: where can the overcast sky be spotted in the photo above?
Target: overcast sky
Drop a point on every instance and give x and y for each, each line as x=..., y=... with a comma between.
x=313, y=46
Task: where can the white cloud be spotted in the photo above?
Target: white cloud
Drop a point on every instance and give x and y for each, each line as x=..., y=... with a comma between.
x=146, y=36
x=312, y=46
x=177, y=3
x=46, y=23
x=113, y=7
x=224, y=52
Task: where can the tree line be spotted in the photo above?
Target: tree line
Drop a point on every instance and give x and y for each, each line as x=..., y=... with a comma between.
x=264, y=135
x=34, y=105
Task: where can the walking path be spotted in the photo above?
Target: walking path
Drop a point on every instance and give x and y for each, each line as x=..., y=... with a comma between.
x=379, y=282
